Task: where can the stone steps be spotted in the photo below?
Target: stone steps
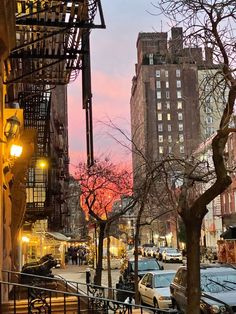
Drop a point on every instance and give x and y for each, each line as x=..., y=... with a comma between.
x=57, y=306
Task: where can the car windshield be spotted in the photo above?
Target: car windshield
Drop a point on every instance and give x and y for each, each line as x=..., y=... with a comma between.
x=146, y=265
x=163, y=280
x=172, y=251
x=218, y=282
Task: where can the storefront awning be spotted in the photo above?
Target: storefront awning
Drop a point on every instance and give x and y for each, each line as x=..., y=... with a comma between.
x=58, y=236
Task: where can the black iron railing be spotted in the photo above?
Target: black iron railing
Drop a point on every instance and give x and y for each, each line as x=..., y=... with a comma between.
x=66, y=296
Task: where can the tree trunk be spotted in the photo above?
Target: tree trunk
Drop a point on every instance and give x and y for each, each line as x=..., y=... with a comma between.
x=109, y=262
x=98, y=271
x=136, y=244
x=193, y=233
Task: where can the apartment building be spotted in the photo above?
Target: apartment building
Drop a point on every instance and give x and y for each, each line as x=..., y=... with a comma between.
x=165, y=108
x=172, y=107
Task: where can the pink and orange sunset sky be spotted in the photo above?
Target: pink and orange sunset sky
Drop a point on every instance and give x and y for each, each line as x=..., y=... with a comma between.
x=113, y=58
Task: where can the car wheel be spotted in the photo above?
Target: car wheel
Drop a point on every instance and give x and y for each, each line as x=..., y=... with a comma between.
x=140, y=298
x=155, y=303
x=175, y=306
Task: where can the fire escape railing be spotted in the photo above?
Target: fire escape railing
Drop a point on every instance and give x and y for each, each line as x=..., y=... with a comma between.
x=36, y=103
x=52, y=47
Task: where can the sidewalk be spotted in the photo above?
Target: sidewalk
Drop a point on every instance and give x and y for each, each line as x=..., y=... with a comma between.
x=77, y=273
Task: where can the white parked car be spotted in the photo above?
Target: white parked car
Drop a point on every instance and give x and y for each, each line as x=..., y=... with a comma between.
x=172, y=255
x=154, y=251
x=154, y=288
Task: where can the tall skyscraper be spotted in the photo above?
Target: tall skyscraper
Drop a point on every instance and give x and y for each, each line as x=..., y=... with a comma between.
x=165, y=109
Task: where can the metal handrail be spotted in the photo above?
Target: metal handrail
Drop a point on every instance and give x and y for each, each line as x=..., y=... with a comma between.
x=44, y=298
x=67, y=282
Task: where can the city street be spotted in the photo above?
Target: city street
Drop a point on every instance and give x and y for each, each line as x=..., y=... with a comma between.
x=78, y=274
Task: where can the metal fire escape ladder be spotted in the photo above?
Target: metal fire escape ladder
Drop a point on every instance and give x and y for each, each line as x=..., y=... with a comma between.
x=49, y=39
x=36, y=103
x=52, y=46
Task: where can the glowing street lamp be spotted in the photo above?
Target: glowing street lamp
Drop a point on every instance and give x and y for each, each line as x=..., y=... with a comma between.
x=16, y=150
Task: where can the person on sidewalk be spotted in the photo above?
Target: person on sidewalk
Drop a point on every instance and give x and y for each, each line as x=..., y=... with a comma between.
x=81, y=256
x=74, y=257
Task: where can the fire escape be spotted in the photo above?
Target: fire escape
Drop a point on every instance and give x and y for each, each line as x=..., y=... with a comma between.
x=52, y=48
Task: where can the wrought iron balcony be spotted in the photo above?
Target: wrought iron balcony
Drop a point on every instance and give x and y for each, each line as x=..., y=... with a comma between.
x=49, y=43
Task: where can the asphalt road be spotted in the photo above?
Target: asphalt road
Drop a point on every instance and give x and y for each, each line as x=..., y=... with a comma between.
x=77, y=274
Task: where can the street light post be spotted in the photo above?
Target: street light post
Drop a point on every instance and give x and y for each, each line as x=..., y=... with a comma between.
x=95, y=245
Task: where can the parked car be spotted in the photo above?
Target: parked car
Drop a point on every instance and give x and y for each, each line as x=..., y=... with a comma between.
x=154, y=251
x=139, y=250
x=154, y=288
x=144, y=265
x=160, y=251
x=172, y=255
x=218, y=289
x=147, y=251
x=126, y=280
x=146, y=248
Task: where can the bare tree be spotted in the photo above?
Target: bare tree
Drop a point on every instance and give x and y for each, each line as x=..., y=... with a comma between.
x=101, y=185
x=207, y=24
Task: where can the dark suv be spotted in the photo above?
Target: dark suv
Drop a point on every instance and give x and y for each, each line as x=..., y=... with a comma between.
x=218, y=289
x=144, y=265
x=126, y=281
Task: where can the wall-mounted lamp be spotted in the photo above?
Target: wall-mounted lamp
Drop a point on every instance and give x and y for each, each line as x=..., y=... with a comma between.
x=16, y=150
x=42, y=163
x=12, y=127
x=25, y=239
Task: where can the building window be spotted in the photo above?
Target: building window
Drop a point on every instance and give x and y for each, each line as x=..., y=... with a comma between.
x=208, y=110
x=158, y=73
x=181, y=149
x=181, y=127
x=169, y=149
x=160, y=138
x=169, y=139
x=180, y=116
x=179, y=105
x=168, y=105
x=168, y=117
x=234, y=201
x=169, y=127
x=160, y=149
x=167, y=94
x=158, y=95
x=158, y=84
x=209, y=119
x=229, y=202
x=178, y=84
x=151, y=58
x=179, y=94
x=166, y=73
x=177, y=72
x=159, y=106
x=160, y=127
x=209, y=131
x=167, y=84
x=181, y=138
x=159, y=116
